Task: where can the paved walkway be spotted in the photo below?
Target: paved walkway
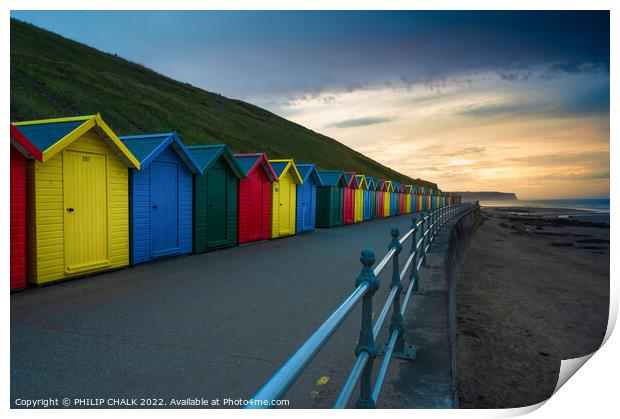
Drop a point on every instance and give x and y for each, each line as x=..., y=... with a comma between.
x=215, y=325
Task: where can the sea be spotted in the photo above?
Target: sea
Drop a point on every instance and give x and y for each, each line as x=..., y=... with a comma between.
x=594, y=205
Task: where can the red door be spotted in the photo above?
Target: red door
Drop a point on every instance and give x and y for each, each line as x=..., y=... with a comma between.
x=18, y=219
x=348, y=210
x=256, y=186
x=380, y=204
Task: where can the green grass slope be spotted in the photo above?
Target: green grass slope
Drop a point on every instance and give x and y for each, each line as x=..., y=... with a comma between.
x=52, y=76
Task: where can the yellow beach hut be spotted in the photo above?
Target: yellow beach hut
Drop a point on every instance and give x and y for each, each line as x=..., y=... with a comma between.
x=78, y=218
x=284, y=197
x=408, y=194
x=388, y=189
x=359, y=198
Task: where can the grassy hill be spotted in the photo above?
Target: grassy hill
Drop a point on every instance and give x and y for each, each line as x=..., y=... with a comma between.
x=52, y=76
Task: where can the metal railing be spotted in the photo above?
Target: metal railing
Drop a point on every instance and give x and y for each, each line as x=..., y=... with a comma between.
x=422, y=233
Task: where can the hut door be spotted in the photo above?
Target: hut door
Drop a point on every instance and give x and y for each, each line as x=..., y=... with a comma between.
x=164, y=208
x=284, y=215
x=255, y=211
x=216, y=205
x=306, y=221
x=86, y=208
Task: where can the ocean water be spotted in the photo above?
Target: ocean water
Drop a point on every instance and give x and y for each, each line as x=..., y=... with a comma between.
x=594, y=205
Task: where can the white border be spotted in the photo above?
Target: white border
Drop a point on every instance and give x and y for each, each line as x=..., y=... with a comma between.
x=591, y=393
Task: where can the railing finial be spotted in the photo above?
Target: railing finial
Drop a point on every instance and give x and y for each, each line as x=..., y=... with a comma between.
x=368, y=259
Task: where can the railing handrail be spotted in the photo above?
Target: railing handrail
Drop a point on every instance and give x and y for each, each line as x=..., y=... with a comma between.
x=366, y=285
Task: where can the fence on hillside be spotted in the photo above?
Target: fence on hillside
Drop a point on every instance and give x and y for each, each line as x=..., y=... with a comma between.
x=423, y=230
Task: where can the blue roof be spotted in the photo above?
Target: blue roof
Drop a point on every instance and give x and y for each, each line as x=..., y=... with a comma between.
x=247, y=162
x=43, y=136
x=306, y=170
x=332, y=178
x=279, y=166
x=371, y=183
x=206, y=155
x=146, y=148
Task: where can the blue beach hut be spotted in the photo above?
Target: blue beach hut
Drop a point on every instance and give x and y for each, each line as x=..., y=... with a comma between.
x=160, y=197
x=306, y=197
x=394, y=199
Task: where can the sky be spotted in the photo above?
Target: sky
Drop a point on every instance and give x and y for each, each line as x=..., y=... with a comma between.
x=494, y=101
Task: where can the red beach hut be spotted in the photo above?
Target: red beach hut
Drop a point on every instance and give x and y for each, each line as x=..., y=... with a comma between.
x=401, y=199
x=255, y=197
x=21, y=149
x=348, y=208
x=380, y=198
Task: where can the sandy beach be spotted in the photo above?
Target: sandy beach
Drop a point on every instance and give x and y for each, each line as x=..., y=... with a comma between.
x=533, y=290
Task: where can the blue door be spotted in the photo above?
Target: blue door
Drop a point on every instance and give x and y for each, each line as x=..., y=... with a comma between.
x=366, y=205
x=393, y=204
x=164, y=208
x=306, y=206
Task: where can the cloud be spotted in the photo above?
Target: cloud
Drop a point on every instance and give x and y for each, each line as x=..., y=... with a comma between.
x=247, y=54
x=360, y=122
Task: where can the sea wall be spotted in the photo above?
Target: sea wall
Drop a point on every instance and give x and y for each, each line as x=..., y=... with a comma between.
x=460, y=236
x=429, y=381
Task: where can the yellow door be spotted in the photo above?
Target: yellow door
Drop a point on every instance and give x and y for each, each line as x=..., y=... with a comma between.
x=284, y=216
x=292, y=206
x=85, y=215
x=359, y=214
x=386, y=204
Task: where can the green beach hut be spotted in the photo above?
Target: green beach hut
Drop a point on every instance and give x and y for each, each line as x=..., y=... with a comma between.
x=215, y=197
x=330, y=198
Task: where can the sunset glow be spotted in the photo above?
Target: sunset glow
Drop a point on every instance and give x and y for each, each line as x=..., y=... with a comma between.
x=495, y=101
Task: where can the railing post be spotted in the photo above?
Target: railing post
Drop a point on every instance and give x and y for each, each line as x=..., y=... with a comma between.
x=400, y=351
x=366, y=341
x=440, y=223
x=431, y=229
x=425, y=226
x=414, y=276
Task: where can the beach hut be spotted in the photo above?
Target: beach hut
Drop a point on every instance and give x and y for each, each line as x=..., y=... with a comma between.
x=372, y=198
x=284, y=198
x=160, y=197
x=329, y=198
x=422, y=198
x=394, y=199
x=254, y=197
x=380, y=187
x=415, y=194
x=348, y=208
x=77, y=198
x=408, y=193
x=306, y=197
x=215, y=197
x=21, y=150
x=429, y=198
x=361, y=199
x=401, y=198
x=388, y=189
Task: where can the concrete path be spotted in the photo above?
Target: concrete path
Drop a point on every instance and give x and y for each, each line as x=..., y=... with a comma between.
x=215, y=325
x=427, y=382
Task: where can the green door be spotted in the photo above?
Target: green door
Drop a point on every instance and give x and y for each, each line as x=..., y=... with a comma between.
x=338, y=203
x=216, y=206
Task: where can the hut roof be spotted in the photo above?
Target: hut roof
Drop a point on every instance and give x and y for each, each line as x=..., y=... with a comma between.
x=146, y=148
x=50, y=136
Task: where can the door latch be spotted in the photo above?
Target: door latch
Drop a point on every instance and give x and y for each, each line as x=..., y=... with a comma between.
x=70, y=209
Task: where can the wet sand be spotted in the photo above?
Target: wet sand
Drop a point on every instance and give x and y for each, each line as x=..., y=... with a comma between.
x=533, y=290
